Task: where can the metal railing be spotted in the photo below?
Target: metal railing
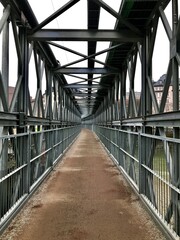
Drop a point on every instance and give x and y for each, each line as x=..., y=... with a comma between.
x=147, y=161
x=30, y=157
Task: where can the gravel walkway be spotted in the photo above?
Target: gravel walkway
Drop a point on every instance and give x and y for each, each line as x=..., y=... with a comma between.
x=84, y=198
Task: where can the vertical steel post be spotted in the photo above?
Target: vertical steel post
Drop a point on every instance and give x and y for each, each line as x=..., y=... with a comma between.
x=4, y=130
x=176, y=131
x=5, y=82
x=142, y=151
x=22, y=108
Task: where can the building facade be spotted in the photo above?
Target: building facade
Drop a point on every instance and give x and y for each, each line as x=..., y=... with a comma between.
x=158, y=89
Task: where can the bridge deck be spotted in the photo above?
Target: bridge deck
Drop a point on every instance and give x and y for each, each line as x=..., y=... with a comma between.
x=85, y=198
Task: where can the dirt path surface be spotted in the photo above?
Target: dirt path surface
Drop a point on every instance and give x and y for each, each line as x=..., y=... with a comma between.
x=85, y=198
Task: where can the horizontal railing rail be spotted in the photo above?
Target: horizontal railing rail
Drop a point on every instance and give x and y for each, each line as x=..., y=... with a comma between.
x=30, y=157
x=148, y=163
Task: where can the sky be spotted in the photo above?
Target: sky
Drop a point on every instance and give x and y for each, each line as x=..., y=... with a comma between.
x=77, y=16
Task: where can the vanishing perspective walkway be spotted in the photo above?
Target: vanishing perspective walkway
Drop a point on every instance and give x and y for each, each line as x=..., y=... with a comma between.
x=84, y=198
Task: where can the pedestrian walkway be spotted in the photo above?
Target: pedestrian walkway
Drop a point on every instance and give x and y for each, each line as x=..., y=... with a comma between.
x=84, y=198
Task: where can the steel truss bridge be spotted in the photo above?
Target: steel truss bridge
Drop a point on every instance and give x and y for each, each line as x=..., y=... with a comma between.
x=142, y=138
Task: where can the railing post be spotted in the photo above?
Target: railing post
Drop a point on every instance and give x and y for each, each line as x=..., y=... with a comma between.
x=28, y=178
x=141, y=172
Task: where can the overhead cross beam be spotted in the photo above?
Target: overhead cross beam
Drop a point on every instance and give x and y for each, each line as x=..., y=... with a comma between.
x=87, y=71
x=84, y=94
x=86, y=79
x=84, y=86
x=122, y=36
x=87, y=100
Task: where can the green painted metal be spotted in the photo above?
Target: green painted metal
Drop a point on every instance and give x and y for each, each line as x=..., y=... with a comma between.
x=126, y=9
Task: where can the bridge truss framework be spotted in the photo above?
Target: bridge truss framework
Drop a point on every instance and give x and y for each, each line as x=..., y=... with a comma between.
x=141, y=137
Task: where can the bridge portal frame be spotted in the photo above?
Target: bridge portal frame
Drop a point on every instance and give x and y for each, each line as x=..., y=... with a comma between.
x=131, y=132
